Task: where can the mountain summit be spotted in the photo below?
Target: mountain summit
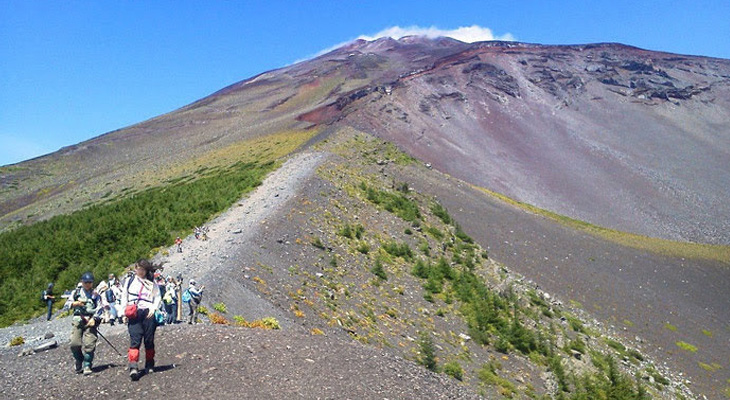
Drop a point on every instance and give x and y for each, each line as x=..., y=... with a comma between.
x=618, y=136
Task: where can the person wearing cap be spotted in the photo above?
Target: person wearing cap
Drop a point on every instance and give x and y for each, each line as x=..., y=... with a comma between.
x=87, y=310
x=140, y=289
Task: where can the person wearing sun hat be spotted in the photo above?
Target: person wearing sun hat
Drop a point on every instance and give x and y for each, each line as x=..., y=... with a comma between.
x=141, y=289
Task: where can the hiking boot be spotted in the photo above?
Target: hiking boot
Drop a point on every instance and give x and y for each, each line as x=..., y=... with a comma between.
x=87, y=370
x=134, y=374
x=78, y=367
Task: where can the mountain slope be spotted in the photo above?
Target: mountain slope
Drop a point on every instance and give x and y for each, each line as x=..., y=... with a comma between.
x=621, y=137
x=610, y=134
x=614, y=135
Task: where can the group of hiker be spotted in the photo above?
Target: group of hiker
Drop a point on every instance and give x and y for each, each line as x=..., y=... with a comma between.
x=144, y=300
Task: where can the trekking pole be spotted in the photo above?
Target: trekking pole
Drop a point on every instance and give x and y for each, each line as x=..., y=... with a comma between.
x=109, y=343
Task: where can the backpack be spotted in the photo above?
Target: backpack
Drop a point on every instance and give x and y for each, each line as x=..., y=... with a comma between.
x=110, y=296
x=186, y=296
x=43, y=296
x=167, y=298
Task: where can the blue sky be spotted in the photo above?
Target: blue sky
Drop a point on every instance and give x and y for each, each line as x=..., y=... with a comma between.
x=73, y=70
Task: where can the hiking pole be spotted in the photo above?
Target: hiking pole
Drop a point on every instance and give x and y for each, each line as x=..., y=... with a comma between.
x=108, y=342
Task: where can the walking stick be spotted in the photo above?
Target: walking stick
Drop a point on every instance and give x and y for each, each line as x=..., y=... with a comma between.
x=109, y=343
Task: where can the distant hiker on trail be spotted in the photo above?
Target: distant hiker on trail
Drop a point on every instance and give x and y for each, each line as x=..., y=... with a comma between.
x=140, y=299
x=178, y=242
x=48, y=297
x=86, y=308
x=193, y=296
x=169, y=299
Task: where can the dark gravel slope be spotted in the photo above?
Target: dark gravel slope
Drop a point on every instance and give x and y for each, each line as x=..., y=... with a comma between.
x=223, y=362
x=653, y=301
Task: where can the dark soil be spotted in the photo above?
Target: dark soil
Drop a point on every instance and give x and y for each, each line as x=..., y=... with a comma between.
x=225, y=362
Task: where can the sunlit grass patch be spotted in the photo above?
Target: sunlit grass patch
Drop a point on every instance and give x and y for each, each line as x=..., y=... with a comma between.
x=686, y=346
x=660, y=246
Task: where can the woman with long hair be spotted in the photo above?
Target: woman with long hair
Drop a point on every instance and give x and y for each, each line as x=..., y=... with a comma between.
x=141, y=290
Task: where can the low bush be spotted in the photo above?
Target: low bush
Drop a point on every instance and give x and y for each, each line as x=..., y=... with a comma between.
x=220, y=307
x=17, y=341
x=398, y=250
x=216, y=318
x=453, y=369
x=396, y=203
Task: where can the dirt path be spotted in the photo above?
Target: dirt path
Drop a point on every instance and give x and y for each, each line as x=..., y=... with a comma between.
x=239, y=223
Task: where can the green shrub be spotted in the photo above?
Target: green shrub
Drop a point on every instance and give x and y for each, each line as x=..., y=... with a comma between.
x=395, y=203
x=420, y=269
x=608, y=385
x=428, y=352
x=352, y=232
x=488, y=375
x=453, y=369
x=317, y=242
x=556, y=367
x=220, y=307
x=398, y=250
x=379, y=271
x=439, y=211
x=434, y=232
x=363, y=248
x=423, y=246
x=462, y=235
x=17, y=341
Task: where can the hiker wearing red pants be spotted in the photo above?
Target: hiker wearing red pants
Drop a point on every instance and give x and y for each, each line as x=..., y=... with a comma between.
x=141, y=290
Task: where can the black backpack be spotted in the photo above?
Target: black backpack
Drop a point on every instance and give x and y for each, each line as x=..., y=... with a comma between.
x=43, y=296
x=110, y=296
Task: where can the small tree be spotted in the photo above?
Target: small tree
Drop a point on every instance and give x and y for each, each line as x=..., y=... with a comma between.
x=428, y=352
x=379, y=271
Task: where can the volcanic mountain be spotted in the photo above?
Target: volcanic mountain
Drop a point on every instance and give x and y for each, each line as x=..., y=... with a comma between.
x=511, y=138
x=610, y=134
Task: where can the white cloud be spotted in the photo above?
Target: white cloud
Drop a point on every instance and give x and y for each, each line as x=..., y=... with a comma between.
x=467, y=34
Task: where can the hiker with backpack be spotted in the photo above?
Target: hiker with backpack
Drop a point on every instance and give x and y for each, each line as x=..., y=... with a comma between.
x=192, y=296
x=115, y=307
x=48, y=297
x=87, y=309
x=108, y=301
x=102, y=289
x=140, y=299
x=169, y=299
